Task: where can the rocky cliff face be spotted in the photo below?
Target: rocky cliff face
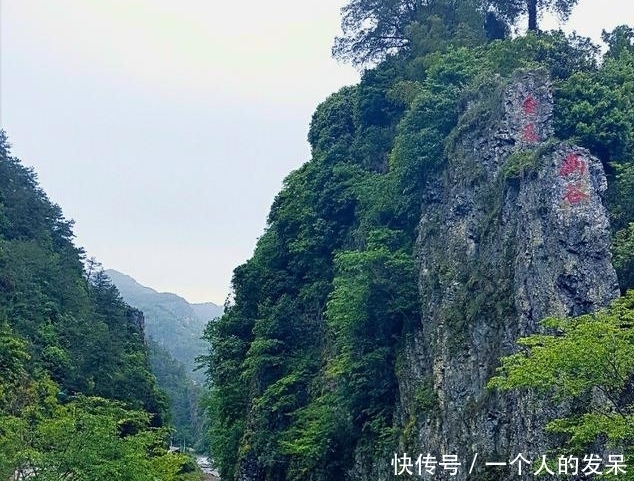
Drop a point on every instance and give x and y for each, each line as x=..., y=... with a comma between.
x=514, y=230
x=137, y=319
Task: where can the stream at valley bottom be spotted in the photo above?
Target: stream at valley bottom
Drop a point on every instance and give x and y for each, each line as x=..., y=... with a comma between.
x=210, y=474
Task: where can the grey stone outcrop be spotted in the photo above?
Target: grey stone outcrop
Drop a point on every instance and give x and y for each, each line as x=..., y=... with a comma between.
x=512, y=232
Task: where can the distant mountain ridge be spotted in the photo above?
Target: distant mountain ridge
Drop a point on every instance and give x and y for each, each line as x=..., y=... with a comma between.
x=170, y=320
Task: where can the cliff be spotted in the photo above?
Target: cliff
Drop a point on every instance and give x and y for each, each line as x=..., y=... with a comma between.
x=513, y=231
x=452, y=202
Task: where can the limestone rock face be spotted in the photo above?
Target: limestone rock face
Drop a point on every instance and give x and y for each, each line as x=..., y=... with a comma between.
x=513, y=231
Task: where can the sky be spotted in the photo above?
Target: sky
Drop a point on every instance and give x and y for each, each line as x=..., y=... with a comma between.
x=165, y=128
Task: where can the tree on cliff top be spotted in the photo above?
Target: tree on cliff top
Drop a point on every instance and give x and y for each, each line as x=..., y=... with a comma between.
x=374, y=29
x=512, y=10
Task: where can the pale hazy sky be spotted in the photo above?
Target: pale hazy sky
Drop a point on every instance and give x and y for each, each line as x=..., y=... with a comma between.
x=164, y=128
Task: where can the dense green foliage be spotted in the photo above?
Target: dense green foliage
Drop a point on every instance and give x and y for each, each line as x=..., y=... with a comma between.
x=77, y=398
x=183, y=395
x=83, y=438
x=174, y=331
x=305, y=360
x=588, y=362
x=373, y=30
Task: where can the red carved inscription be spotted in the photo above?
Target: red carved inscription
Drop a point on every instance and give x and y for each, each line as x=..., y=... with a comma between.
x=572, y=163
x=529, y=134
x=530, y=105
x=574, y=194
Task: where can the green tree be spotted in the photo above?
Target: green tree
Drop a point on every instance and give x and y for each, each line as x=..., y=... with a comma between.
x=88, y=439
x=623, y=255
x=619, y=41
x=588, y=361
x=512, y=10
x=373, y=302
x=375, y=29
x=183, y=394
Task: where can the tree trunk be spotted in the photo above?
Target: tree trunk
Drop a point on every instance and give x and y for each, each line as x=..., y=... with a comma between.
x=532, y=15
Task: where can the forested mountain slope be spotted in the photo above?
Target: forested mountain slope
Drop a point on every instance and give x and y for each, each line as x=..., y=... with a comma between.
x=174, y=329
x=183, y=395
x=77, y=398
x=170, y=320
x=460, y=193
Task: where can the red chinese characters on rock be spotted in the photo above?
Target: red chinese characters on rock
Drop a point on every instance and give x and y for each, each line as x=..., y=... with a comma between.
x=529, y=134
x=574, y=194
x=572, y=163
x=529, y=130
x=530, y=105
x=573, y=169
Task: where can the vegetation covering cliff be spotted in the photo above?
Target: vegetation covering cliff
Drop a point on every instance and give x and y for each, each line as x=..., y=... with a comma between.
x=77, y=398
x=461, y=192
